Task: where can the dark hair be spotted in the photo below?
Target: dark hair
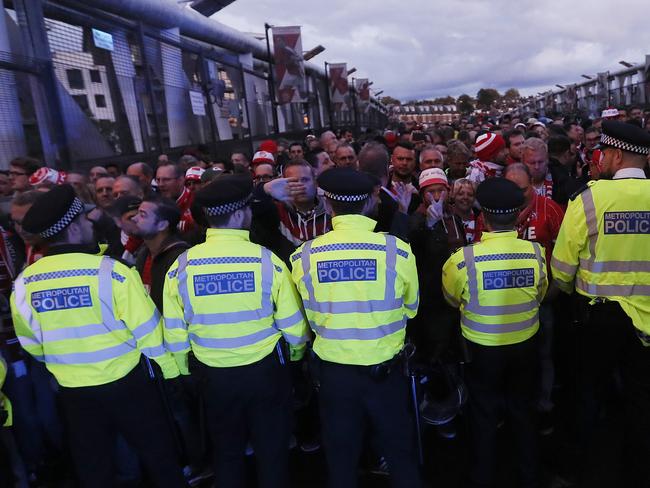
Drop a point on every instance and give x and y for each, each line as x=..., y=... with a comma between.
x=29, y=165
x=558, y=144
x=113, y=165
x=312, y=157
x=166, y=210
x=178, y=171
x=405, y=145
x=347, y=208
x=568, y=125
x=511, y=133
x=296, y=144
x=218, y=221
x=298, y=162
x=501, y=221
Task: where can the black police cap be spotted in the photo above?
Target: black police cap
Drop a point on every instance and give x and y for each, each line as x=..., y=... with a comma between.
x=346, y=184
x=624, y=136
x=52, y=212
x=499, y=196
x=225, y=194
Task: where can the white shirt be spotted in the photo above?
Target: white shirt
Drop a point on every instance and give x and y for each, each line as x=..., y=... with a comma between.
x=629, y=173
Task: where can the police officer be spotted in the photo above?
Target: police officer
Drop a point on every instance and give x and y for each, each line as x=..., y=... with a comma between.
x=233, y=305
x=603, y=252
x=358, y=289
x=88, y=318
x=498, y=285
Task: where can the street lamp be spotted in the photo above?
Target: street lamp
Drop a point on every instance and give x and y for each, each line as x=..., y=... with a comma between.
x=626, y=64
x=313, y=52
x=353, y=70
x=560, y=86
x=587, y=77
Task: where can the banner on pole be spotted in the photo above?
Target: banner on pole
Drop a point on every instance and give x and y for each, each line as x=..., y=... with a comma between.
x=339, y=90
x=289, y=65
x=363, y=92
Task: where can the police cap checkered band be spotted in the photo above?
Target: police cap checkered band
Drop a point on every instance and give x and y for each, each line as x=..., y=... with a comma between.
x=226, y=208
x=499, y=210
x=346, y=198
x=625, y=146
x=75, y=209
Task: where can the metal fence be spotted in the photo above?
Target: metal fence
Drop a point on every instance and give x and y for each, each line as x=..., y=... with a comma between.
x=80, y=85
x=629, y=86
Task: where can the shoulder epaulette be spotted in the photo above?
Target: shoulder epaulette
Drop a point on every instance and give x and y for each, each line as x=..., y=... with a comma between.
x=577, y=193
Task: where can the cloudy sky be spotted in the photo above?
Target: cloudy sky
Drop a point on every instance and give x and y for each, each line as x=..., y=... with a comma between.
x=426, y=48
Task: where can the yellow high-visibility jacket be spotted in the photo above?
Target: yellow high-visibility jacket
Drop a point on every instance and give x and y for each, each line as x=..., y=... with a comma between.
x=603, y=248
x=230, y=301
x=88, y=318
x=358, y=288
x=498, y=284
x=4, y=401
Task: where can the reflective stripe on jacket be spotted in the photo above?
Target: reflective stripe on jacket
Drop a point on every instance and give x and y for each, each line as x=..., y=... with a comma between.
x=498, y=285
x=5, y=404
x=358, y=288
x=87, y=318
x=230, y=301
x=603, y=248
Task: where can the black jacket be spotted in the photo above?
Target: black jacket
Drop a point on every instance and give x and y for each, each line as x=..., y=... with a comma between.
x=435, y=330
x=172, y=247
x=565, y=183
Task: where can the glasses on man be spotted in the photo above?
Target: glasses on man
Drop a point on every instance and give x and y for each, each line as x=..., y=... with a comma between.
x=263, y=178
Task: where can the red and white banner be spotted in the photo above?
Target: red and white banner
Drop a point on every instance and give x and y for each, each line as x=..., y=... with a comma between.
x=290, y=78
x=339, y=91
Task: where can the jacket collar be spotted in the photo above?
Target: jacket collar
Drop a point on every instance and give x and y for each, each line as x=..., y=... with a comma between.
x=227, y=235
x=353, y=222
x=72, y=248
x=510, y=234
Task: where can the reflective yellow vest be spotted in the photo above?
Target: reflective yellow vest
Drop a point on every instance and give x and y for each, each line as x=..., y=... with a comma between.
x=358, y=288
x=4, y=401
x=498, y=285
x=603, y=248
x=88, y=318
x=230, y=301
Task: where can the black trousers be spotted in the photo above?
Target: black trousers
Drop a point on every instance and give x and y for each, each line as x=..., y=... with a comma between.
x=501, y=377
x=608, y=345
x=132, y=407
x=252, y=400
x=352, y=401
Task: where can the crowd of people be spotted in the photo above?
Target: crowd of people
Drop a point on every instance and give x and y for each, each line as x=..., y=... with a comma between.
x=428, y=185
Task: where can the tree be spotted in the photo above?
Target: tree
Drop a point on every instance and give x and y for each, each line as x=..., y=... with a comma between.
x=388, y=100
x=512, y=94
x=448, y=100
x=486, y=97
x=465, y=104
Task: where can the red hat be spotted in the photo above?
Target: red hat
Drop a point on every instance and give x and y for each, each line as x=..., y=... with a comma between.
x=391, y=138
x=269, y=146
x=488, y=145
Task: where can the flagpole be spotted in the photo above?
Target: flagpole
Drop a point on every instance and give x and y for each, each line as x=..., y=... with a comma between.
x=354, y=108
x=327, y=96
x=274, y=103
